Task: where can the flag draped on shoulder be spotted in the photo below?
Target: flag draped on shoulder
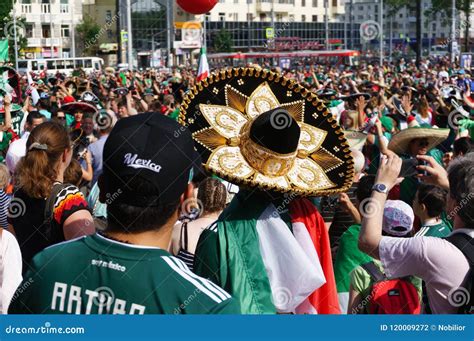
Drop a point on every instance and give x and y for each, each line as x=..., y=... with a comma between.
x=253, y=254
x=324, y=300
x=203, y=71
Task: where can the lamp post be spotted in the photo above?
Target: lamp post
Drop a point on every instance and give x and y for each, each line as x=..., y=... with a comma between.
x=15, y=35
x=326, y=23
x=453, y=30
x=73, y=31
x=381, y=32
x=129, y=29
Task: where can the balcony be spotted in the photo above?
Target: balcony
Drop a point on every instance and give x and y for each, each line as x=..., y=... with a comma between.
x=279, y=6
x=34, y=42
x=51, y=41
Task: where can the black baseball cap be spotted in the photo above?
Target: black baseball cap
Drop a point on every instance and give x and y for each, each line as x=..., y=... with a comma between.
x=155, y=148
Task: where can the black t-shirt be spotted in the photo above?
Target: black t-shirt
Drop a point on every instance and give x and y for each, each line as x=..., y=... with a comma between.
x=26, y=215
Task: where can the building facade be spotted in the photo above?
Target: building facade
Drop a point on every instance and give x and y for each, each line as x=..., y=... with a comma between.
x=400, y=26
x=49, y=26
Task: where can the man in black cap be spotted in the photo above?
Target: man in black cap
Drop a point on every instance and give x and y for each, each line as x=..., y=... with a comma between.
x=125, y=269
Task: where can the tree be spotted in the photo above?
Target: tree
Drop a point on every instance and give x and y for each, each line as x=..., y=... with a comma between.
x=445, y=6
x=89, y=33
x=223, y=41
x=7, y=30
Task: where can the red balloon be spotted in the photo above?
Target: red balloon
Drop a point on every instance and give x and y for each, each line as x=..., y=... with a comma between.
x=197, y=6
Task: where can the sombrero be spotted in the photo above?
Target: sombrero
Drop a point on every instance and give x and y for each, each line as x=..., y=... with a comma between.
x=78, y=106
x=356, y=139
x=400, y=141
x=244, y=122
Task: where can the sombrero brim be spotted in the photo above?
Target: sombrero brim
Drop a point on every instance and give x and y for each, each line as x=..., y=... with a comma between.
x=400, y=141
x=78, y=106
x=356, y=139
x=218, y=109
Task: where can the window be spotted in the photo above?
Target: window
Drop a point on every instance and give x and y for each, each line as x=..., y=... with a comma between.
x=235, y=16
x=87, y=63
x=108, y=16
x=46, y=31
x=334, y=3
x=401, y=15
x=361, y=8
x=29, y=31
x=303, y=3
x=51, y=65
x=279, y=17
x=110, y=34
x=315, y=3
x=222, y=17
x=45, y=6
x=65, y=31
x=78, y=64
x=64, y=6
x=236, y=1
x=249, y=17
x=303, y=18
x=315, y=18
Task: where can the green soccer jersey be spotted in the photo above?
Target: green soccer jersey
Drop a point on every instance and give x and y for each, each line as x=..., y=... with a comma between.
x=96, y=275
x=440, y=230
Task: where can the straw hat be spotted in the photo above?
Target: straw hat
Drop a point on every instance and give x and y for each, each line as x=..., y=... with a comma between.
x=400, y=141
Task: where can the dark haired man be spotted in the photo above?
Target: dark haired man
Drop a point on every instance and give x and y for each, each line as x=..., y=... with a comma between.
x=429, y=204
x=126, y=269
x=17, y=148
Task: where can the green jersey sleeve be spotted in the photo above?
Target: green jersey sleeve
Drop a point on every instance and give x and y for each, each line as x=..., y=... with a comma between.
x=206, y=257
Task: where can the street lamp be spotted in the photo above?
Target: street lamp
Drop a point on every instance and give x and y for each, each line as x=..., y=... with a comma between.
x=129, y=28
x=15, y=35
x=453, y=30
x=381, y=32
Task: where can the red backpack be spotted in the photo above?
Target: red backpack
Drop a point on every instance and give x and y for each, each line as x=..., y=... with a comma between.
x=391, y=296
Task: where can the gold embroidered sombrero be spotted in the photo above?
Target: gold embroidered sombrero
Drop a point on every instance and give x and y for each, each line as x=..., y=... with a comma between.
x=222, y=113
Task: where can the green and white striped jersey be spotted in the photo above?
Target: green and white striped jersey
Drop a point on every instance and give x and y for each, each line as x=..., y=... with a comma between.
x=96, y=275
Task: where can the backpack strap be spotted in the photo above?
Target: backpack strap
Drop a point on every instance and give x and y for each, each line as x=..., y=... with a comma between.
x=374, y=272
x=184, y=236
x=465, y=244
x=49, y=207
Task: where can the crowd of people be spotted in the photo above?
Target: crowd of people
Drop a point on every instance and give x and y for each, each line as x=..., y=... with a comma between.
x=325, y=189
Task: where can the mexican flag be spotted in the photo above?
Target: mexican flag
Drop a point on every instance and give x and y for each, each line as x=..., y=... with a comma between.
x=203, y=71
x=265, y=255
x=3, y=50
x=347, y=259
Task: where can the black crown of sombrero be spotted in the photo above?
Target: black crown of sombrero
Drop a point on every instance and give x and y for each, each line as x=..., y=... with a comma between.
x=245, y=121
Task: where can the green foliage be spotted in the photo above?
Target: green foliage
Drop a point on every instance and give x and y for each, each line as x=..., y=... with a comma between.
x=223, y=41
x=89, y=34
x=7, y=31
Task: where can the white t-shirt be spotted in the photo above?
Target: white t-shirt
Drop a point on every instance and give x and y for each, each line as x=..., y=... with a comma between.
x=435, y=260
x=10, y=271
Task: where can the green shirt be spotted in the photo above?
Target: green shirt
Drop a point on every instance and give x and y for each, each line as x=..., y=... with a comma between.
x=362, y=282
x=348, y=257
x=96, y=275
x=439, y=230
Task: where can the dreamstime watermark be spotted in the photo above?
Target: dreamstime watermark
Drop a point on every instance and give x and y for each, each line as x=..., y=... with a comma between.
x=279, y=32
x=460, y=206
x=458, y=297
x=280, y=119
x=102, y=121
x=24, y=285
x=457, y=33
x=105, y=296
x=369, y=30
x=191, y=32
x=102, y=31
x=192, y=207
x=456, y=116
x=10, y=27
x=111, y=197
x=369, y=208
x=17, y=208
x=287, y=199
x=282, y=297
x=178, y=310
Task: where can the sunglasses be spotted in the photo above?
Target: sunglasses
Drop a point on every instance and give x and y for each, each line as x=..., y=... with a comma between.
x=61, y=117
x=423, y=143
